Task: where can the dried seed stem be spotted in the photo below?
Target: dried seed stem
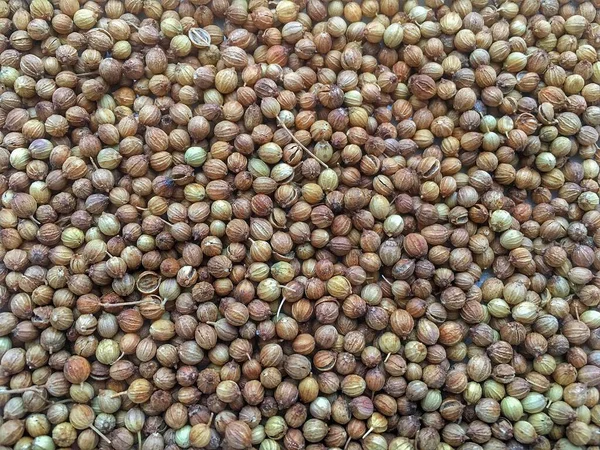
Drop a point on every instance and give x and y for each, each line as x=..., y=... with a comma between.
x=282, y=125
x=279, y=308
x=99, y=433
x=22, y=390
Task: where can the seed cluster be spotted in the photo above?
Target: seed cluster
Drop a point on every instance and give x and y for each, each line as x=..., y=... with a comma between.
x=299, y=224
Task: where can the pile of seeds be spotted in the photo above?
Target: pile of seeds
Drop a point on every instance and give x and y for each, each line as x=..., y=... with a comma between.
x=299, y=224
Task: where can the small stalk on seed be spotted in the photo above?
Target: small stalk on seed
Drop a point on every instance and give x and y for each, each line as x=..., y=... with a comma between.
x=22, y=390
x=280, y=308
x=99, y=433
x=280, y=122
x=139, y=302
x=347, y=443
x=165, y=222
x=119, y=358
x=386, y=280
